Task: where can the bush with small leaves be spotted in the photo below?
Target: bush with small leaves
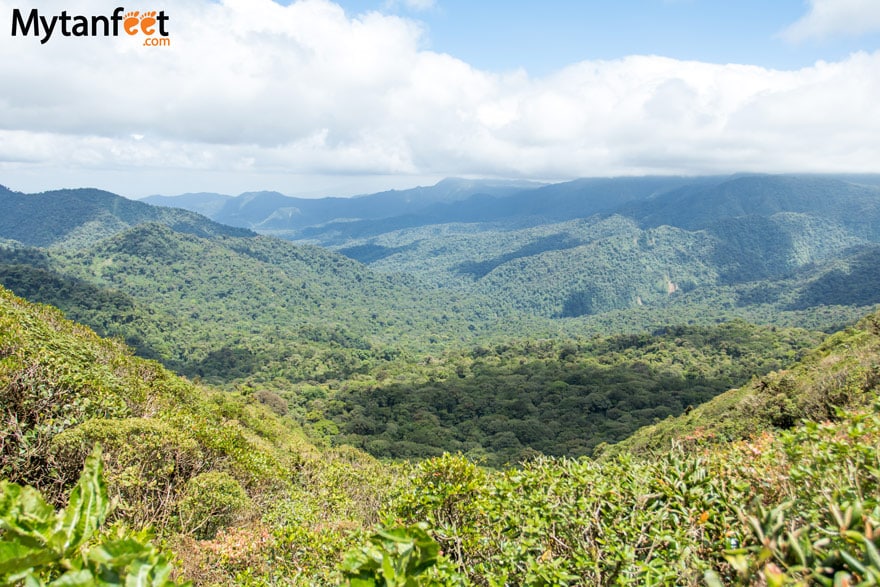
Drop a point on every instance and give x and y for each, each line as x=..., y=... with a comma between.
x=211, y=501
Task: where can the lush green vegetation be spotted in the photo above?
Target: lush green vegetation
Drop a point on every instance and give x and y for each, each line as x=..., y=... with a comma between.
x=229, y=308
x=261, y=315
x=507, y=402
x=183, y=459
x=43, y=547
x=602, y=269
x=237, y=496
x=841, y=372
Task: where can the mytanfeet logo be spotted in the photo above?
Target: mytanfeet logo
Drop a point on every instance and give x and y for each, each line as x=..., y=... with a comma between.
x=150, y=25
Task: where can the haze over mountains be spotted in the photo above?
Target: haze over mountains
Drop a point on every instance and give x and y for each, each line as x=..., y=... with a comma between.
x=677, y=201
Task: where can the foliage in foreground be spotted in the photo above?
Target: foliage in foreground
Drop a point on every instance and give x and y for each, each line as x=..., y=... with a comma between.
x=43, y=547
x=208, y=470
x=798, y=508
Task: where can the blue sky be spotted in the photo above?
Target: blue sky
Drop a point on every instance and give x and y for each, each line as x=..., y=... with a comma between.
x=316, y=97
x=548, y=35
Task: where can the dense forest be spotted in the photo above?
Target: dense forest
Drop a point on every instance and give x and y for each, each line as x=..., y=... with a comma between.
x=506, y=403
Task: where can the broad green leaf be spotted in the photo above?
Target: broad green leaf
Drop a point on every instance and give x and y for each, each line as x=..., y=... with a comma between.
x=87, y=508
x=161, y=573
x=119, y=553
x=139, y=575
x=83, y=578
x=25, y=514
x=16, y=557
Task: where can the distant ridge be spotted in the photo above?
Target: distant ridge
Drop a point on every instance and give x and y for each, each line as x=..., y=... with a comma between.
x=638, y=251
x=79, y=217
x=204, y=203
x=275, y=213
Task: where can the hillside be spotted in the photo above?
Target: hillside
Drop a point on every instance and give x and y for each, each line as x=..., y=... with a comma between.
x=183, y=458
x=842, y=372
x=378, y=363
x=242, y=499
x=224, y=308
x=505, y=403
x=708, y=248
x=80, y=217
x=469, y=337
x=852, y=205
x=593, y=267
x=620, y=254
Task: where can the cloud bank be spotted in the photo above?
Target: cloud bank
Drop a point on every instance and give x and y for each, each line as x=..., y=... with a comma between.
x=254, y=88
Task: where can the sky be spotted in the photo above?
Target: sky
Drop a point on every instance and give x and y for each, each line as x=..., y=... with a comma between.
x=315, y=98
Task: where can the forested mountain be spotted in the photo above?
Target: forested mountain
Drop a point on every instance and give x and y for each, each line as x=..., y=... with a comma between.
x=80, y=217
x=755, y=246
x=850, y=205
x=507, y=402
x=519, y=335
x=740, y=244
x=365, y=360
x=230, y=307
x=691, y=203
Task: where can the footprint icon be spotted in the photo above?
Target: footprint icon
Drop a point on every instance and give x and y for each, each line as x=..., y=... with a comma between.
x=148, y=21
x=130, y=22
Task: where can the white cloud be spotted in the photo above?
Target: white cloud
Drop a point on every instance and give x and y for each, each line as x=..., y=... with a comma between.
x=833, y=18
x=268, y=92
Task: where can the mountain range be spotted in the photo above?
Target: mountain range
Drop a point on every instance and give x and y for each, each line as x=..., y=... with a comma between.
x=275, y=213
x=616, y=253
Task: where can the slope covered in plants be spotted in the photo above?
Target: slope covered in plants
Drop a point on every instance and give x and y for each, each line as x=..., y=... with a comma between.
x=182, y=458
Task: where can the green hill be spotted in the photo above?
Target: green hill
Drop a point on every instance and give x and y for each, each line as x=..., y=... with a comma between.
x=76, y=218
x=376, y=362
x=425, y=350
x=594, y=247
x=278, y=214
x=224, y=308
x=594, y=267
x=843, y=372
x=514, y=400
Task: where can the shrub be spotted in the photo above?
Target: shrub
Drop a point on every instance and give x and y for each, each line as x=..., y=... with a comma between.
x=399, y=557
x=148, y=462
x=273, y=401
x=211, y=501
